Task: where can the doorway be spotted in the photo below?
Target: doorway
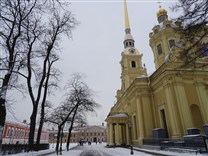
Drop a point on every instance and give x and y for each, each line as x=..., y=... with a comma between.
x=164, y=122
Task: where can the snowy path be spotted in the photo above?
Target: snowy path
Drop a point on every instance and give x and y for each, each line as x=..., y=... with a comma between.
x=99, y=150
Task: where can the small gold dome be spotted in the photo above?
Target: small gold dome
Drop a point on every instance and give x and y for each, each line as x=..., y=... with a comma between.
x=161, y=12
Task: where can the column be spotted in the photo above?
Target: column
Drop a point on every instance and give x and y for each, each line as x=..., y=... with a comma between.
x=203, y=98
x=117, y=135
x=123, y=131
x=140, y=120
x=110, y=133
x=184, y=110
x=127, y=134
x=174, y=124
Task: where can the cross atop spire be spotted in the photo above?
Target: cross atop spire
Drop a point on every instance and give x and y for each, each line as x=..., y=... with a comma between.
x=159, y=4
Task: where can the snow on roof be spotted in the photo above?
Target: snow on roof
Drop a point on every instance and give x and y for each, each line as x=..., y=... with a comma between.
x=142, y=76
x=191, y=128
x=120, y=115
x=194, y=135
x=16, y=123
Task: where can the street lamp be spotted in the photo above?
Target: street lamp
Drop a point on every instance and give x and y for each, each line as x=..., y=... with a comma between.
x=131, y=147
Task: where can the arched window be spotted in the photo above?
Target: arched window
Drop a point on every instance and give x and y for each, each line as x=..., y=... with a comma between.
x=171, y=43
x=159, y=49
x=133, y=64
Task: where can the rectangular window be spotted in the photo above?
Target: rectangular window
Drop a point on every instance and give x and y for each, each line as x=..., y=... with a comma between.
x=159, y=49
x=171, y=43
x=11, y=132
x=133, y=64
x=8, y=132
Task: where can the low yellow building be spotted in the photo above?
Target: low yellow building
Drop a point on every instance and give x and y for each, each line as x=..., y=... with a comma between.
x=174, y=98
x=96, y=133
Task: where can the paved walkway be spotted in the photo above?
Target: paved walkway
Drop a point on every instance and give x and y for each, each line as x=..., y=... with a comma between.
x=91, y=150
x=101, y=150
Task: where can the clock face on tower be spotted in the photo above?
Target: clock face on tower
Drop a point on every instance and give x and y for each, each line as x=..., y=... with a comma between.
x=132, y=51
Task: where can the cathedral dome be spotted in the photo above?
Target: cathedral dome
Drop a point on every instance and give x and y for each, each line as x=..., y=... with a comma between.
x=161, y=12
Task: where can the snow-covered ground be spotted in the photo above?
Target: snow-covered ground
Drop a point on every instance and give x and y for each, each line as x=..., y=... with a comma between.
x=77, y=150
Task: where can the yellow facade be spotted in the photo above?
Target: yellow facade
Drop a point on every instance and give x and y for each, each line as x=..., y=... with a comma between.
x=174, y=97
x=84, y=133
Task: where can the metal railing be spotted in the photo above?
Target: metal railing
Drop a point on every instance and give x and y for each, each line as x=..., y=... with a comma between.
x=20, y=148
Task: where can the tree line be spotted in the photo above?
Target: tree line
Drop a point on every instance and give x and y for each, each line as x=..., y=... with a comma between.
x=193, y=28
x=30, y=35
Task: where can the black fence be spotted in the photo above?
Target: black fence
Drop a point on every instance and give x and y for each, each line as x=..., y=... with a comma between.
x=196, y=143
x=20, y=148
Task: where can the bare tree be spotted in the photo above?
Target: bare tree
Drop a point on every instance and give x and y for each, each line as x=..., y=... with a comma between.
x=194, y=12
x=193, y=29
x=58, y=25
x=29, y=39
x=12, y=15
x=78, y=101
x=57, y=117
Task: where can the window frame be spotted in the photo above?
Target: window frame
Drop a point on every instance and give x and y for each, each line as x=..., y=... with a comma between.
x=159, y=51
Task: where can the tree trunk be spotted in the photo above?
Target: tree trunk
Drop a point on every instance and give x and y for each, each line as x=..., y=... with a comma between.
x=40, y=129
x=2, y=120
x=61, y=140
x=69, y=136
x=42, y=115
x=3, y=92
x=57, y=141
x=32, y=127
x=70, y=129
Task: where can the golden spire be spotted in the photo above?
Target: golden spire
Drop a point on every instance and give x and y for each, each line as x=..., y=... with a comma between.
x=127, y=26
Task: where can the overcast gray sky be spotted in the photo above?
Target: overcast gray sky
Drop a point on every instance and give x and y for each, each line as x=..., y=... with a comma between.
x=96, y=47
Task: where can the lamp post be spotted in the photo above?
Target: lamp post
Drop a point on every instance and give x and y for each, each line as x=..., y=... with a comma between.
x=131, y=147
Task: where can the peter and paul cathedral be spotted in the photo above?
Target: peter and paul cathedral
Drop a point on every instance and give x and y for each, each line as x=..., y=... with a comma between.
x=174, y=98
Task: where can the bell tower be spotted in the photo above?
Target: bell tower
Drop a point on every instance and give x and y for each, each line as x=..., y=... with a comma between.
x=163, y=38
x=131, y=61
